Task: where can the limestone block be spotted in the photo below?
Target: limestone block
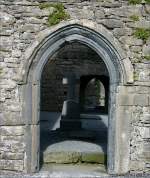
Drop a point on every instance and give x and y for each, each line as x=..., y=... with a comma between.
x=12, y=130
x=122, y=31
x=145, y=155
x=125, y=100
x=146, y=50
x=87, y=13
x=6, y=31
x=141, y=100
x=16, y=53
x=6, y=43
x=29, y=28
x=11, y=59
x=11, y=156
x=99, y=14
x=10, y=118
x=137, y=165
x=145, y=132
x=146, y=118
x=140, y=24
x=12, y=146
x=13, y=165
x=8, y=139
x=133, y=41
x=62, y=157
x=6, y=19
x=112, y=23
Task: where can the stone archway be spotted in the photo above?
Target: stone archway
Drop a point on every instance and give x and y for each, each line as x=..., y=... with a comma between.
x=102, y=42
x=104, y=80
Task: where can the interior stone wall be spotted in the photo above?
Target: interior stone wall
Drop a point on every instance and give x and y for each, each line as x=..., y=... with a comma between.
x=76, y=58
x=21, y=21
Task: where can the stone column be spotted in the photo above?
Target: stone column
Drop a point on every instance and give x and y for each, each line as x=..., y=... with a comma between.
x=70, y=118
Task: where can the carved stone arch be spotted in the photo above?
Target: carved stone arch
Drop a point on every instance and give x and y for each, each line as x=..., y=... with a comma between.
x=106, y=46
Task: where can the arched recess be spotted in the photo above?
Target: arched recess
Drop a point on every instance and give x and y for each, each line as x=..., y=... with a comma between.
x=100, y=40
x=84, y=80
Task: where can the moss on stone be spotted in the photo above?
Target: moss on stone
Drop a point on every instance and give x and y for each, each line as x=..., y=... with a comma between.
x=134, y=2
x=94, y=158
x=135, y=76
x=142, y=33
x=57, y=15
x=147, y=58
x=0, y=70
x=134, y=18
x=147, y=1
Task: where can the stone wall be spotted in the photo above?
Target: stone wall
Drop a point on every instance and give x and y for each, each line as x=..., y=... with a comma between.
x=23, y=20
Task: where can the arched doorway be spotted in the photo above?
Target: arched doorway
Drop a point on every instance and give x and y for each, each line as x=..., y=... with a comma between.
x=98, y=99
x=99, y=42
x=87, y=132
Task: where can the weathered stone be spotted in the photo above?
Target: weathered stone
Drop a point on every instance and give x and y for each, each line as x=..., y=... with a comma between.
x=16, y=53
x=61, y=157
x=22, y=23
x=146, y=118
x=146, y=133
x=137, y=165
x=141, y=100
x=6, y=19
x=11, y=156
x=10, y=118
x=146, y=50
x=140, y=24
x=134, y=42
x=14, y=165
x=93, y=158
x=6, y=43
x=112, y=23
x=12, y=130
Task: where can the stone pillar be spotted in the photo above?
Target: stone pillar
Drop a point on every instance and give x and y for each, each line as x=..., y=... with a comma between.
x=70, y=118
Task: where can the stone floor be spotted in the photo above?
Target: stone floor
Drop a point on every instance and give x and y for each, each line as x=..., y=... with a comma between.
x=65, y=171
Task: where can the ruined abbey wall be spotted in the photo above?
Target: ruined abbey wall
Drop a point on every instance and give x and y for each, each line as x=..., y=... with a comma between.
x=22, y=23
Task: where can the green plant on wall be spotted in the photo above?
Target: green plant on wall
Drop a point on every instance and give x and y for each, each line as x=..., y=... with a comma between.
x=147, y=58
x=58, y=13
x=142, y=33
x=134, y=18
x=0, y=70
x=134, y=2
x=135, y=76
x=147, y=1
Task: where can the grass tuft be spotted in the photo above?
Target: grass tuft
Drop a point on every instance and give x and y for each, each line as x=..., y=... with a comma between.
x=134, y=18
x=142, y=33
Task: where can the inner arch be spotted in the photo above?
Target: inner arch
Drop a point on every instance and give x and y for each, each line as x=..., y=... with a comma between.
x=84, y=129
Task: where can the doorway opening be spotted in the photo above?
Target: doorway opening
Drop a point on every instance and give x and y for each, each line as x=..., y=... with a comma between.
x=74, y=108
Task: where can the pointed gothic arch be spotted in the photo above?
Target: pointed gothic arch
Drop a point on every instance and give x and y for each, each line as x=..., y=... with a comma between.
x=102, y=42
